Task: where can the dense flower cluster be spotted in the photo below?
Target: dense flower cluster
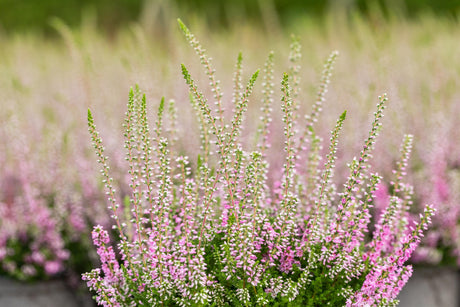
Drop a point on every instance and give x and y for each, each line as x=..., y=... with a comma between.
x=442, y=243
x=42, y=214
x=30, y=245
x=217, y=233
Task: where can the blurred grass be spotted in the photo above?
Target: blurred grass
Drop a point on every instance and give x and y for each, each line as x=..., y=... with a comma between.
x=112, y=15
x=413, y=60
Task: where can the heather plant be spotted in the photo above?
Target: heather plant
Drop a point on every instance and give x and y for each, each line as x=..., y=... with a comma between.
x=216, y=232
x=441, y=245
x=44, y=227
x=30, y=245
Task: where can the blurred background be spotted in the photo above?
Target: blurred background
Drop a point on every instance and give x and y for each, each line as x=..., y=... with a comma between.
x=31, y=15
x=60, y=57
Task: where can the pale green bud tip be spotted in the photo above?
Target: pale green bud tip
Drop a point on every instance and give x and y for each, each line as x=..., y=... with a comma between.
x=162, y=105
x=186, y=74
x=131, y=93
x=343, y=116
x=90, y=116
x=184, y=69
x=295, y=39
x=183, y=26
x=255, y=75
x=285, y=80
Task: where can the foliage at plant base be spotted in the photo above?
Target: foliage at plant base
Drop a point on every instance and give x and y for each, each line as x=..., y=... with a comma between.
x=217, y=234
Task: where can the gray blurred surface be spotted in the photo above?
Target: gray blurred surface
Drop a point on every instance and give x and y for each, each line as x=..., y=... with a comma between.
x=431, y=287
x=42, y=294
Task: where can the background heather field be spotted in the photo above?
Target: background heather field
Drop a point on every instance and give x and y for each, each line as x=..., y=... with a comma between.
x=51, y=73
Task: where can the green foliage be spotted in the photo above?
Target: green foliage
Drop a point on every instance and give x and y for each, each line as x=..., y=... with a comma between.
x=19, y=249
x=20, y=15
x=36, y=15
